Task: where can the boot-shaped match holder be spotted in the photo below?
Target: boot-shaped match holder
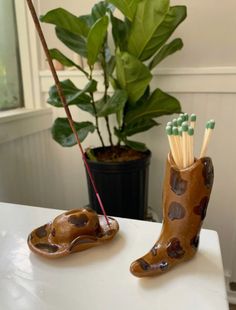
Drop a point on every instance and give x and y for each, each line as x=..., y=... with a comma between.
x=186, y=195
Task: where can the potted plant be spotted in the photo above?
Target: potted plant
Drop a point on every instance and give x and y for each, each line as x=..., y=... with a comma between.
x=127, y=49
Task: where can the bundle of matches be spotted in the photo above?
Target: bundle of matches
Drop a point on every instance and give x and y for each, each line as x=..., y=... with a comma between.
x=180, y=134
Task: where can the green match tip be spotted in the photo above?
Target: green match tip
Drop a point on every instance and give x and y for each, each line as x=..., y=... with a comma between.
x=185, y=126
x=175, y=131
x=211, y=124
x=169, y=124
x=180, y=131
x=186, y=116
x=193, y=117
x=190, y=131
x=180, y=121
x=169, y=130
x=174, y=122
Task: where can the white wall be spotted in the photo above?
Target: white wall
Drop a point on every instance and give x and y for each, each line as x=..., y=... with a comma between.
x=208, y=32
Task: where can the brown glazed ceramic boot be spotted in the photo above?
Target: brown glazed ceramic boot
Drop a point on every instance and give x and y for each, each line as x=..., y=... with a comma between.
x=185, y=198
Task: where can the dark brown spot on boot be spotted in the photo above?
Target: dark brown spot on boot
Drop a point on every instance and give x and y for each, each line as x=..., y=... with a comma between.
x=202, y=207
x=176, y=211
x=78, y=221
x=174, y=249
x=50, y=248
x=163, y=266
x=208, y=172
x=41, y=232
x=143, y=264
x=178, y=185
x=194, y=242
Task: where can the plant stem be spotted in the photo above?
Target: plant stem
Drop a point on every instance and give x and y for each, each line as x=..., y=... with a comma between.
x=90, y=77
x=109, y=130
x=96, y=120
x=106, y=84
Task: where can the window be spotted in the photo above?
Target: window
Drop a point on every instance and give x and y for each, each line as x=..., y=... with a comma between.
x=11, y=94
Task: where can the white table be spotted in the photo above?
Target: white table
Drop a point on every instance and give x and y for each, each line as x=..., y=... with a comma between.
x=99, y=278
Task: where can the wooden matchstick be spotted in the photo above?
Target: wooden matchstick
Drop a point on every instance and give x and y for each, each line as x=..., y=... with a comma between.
x=172, y=144
x=174, y=122
x=186, y=117
x=193, y=119
x=210, y=125
x=185, y=144
x=175, y=134
x=190, y=149
x=180, y=121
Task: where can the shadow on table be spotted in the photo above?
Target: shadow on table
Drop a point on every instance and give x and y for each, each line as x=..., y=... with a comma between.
x=197, y=267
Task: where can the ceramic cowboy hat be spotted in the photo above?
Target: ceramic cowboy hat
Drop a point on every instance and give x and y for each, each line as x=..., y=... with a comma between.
x=73, y=231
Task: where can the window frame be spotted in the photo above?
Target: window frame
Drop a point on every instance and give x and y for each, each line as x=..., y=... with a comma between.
x=34, y=115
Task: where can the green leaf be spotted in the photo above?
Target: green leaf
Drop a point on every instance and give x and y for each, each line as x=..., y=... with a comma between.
x=100, y=9
x=132, y=75
x=72, y=94
x=111, y=65
x=172, y=19
x=65, y=61
x=114, y=104
x=149, y=15
x=88, y=20
x=138, y=146
x=165, y=51
x=63, y=134
x=64, y=19
x=120, y=32
x=127, y=7
x=139, y=126
x=75, y=42
x=96, y=39
x=158, y=104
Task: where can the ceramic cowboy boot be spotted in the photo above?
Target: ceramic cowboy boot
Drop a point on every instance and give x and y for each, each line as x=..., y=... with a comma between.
x=185, y=198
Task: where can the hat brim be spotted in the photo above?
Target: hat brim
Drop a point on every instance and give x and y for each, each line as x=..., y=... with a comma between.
x=39, y=239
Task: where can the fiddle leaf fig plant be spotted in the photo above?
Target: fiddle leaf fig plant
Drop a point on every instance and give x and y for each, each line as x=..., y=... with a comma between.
x=127, y=49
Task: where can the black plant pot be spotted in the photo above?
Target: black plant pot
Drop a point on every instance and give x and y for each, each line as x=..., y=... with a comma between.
x=123, y=187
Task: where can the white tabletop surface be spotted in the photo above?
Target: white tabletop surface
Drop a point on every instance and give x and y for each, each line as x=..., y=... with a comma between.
x=99, y=278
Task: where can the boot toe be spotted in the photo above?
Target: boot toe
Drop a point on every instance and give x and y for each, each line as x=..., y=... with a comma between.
x=136, y=269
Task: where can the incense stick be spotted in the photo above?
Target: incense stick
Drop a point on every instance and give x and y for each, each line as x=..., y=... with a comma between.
x=64, y=102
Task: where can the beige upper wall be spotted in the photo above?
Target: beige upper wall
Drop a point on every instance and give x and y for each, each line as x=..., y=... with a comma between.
x=208, y=32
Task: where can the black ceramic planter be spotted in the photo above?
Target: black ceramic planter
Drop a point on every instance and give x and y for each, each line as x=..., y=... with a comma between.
x=123, y=187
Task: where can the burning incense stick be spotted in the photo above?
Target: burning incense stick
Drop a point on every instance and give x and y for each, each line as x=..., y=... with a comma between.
x=63, y=100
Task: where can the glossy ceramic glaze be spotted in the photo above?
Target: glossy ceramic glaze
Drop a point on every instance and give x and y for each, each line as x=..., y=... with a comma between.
x=73, y=231
x=186, y=195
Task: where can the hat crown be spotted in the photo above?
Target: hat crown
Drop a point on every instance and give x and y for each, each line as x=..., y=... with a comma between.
x=67, y=226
